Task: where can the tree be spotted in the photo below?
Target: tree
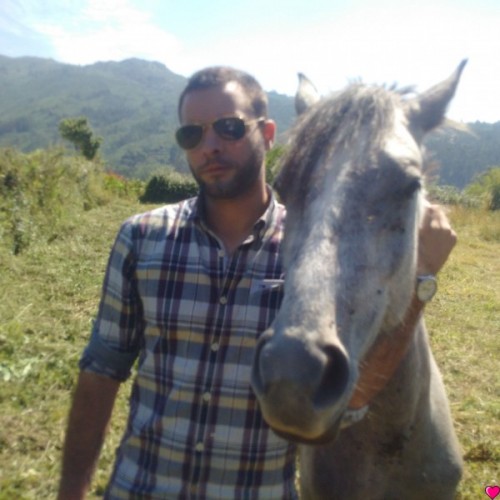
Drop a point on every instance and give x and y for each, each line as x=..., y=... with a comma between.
x=78, y=131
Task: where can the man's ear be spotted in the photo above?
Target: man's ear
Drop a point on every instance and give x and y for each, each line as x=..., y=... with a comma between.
x=269, y=132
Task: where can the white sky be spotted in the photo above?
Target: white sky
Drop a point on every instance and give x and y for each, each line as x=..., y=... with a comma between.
x=417, y=42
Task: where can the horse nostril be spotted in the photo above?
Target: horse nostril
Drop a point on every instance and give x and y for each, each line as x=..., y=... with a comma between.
x=319, y=373
x=285, y=361
x=335, y=378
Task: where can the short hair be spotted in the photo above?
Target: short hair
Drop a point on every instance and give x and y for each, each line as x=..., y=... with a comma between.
x=218, y=76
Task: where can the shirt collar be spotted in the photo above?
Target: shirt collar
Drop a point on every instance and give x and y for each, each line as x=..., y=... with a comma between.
x=261, y=226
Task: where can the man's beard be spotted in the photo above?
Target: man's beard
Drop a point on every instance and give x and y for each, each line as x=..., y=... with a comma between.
x=242, y=180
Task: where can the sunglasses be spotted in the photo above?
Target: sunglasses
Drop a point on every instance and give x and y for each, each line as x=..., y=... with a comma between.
x=230, y=129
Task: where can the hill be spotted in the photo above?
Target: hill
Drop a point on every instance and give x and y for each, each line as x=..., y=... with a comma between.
x=461, y=156
x=132, y=105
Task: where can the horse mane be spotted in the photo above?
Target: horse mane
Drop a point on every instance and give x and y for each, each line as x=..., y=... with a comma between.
x=336, y=122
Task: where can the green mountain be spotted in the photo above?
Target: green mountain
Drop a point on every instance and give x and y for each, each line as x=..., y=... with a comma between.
x=132, y=105
x=462, y=156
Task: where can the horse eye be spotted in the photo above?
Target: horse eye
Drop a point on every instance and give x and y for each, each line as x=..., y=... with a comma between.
x=404, y=177
x=409, y=190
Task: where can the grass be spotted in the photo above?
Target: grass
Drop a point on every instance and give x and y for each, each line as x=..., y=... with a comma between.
x=464, y=322
x=49, y=294
x=48, y=297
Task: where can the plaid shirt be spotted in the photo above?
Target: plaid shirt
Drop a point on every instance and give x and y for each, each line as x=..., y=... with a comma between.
x=192, y=316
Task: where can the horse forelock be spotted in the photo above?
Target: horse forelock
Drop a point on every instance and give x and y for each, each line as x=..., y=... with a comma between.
x=333, y=123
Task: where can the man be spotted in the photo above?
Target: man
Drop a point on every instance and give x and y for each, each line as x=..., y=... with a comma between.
x=188, y=290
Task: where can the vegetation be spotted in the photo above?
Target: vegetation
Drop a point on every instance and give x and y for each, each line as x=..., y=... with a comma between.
x=169, y=188
x=48, y=294
x=463, y=321
x=58, y=220
x=78, y=131
x=42, y=192
x=273, y=159
x=486, y=189
x=462, y=156
x=133, y=105
x=483, y=192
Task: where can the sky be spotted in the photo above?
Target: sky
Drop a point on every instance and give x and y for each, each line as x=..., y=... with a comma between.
x=417, y=42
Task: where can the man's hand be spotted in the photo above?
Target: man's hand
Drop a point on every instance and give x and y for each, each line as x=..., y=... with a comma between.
x=436, y=240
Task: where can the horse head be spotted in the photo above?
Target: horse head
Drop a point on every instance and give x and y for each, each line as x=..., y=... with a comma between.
x=352, y=182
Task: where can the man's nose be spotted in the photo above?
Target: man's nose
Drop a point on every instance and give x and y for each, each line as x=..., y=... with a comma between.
x=210, y=141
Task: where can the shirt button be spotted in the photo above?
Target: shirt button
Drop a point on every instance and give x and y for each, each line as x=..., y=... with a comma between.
x=221, y=253
x=215, y=346
x=199, y=447
x=206, y=397
x=223, y=300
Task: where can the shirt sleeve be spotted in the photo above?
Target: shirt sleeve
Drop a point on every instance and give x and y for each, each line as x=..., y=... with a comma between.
x=117, y=330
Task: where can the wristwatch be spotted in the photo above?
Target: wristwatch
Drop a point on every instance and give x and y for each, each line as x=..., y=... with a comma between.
x=426, y=287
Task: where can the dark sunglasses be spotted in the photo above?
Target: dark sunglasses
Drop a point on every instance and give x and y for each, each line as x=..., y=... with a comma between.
x=230, y=128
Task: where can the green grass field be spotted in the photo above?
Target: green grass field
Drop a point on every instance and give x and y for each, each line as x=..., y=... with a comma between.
x=49, y=294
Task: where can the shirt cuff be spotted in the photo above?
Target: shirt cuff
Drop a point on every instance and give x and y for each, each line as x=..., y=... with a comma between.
x=99, y=357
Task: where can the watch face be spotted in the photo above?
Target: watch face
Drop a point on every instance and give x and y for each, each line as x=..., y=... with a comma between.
x=426, y=288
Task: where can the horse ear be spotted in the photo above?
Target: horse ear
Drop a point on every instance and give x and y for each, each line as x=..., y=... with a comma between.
x=306, y=95
x=427, y=111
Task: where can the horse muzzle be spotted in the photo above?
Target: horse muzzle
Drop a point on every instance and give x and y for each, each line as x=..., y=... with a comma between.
x=302, y=387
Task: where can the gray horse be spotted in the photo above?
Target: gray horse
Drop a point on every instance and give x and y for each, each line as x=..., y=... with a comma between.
x=353, y=184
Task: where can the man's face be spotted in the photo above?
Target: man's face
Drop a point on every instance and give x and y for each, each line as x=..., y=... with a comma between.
x=222, y=168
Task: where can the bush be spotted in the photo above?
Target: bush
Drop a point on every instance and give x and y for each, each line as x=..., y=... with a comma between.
x=42, y=190
x=486, y=188
x=450, y=195
x=121, y=186
x=169, y=188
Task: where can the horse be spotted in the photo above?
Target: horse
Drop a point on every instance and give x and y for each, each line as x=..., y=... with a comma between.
x=353, y=184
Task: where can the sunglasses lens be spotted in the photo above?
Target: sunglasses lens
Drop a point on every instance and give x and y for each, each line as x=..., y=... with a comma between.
x=189, y=136
x=230, y=129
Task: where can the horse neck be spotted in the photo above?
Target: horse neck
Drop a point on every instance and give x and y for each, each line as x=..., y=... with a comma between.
x=406, y=394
